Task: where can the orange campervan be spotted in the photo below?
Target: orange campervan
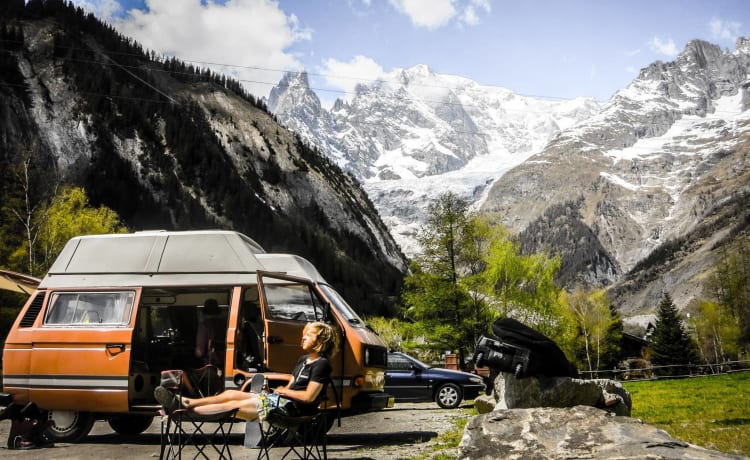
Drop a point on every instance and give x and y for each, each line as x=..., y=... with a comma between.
x=114, y=311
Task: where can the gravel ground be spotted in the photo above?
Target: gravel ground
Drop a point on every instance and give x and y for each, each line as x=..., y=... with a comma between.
x=405, y=431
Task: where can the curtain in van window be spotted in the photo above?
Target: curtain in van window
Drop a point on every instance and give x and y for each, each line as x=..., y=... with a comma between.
x=90, y=308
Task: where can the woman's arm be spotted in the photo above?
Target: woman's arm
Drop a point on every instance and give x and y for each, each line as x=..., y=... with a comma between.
x=308, y=395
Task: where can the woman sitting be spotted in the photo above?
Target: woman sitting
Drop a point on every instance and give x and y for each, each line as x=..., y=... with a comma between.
x=310, y=374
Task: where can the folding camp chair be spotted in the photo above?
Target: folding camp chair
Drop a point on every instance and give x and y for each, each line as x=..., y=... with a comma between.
x=305, y=436
x=182, y=429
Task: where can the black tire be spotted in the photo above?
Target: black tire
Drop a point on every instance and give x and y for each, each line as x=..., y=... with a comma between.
x=69, y=426
x=449, y=396
x=130, y=424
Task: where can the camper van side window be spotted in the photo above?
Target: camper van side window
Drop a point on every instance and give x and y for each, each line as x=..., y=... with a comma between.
x=86, y=309
x=293, y=302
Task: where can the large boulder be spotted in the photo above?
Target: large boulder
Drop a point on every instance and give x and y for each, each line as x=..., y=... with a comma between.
x=580, y=432
x=512, y=393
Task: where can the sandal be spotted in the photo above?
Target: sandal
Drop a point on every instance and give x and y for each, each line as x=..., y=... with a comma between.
x=169, y=401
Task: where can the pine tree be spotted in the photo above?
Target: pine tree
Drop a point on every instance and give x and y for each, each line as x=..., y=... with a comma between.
x=670, y=343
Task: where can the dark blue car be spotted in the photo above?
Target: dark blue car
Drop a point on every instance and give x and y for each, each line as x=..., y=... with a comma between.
x=408, y=379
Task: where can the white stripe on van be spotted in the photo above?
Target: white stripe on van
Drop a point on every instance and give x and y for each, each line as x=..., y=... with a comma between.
x=66, y=382
x=229, y=382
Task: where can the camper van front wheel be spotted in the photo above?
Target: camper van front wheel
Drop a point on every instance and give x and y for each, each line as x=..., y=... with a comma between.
x=69, y=426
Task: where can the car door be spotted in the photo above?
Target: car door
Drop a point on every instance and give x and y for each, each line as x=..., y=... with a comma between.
x=287, y=304
x=404, y=380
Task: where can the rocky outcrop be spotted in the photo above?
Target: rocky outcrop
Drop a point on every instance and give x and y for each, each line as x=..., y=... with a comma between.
x=579, y=432
x=512, y=393
x=566, y=418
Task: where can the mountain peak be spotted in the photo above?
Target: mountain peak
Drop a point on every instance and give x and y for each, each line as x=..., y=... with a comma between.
x=742, y=45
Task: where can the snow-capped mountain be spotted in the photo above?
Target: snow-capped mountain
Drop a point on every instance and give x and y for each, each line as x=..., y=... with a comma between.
x=416, y=134
x=663, y=161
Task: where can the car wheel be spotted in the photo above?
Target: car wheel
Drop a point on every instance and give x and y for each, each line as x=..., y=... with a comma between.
x=448, y=396
x=130, y=424
x=69, y=426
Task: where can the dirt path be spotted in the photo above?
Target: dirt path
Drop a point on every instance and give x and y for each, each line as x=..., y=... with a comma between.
x=403, y=432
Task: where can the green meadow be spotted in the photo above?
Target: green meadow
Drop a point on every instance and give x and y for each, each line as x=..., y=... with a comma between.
x=712, y=412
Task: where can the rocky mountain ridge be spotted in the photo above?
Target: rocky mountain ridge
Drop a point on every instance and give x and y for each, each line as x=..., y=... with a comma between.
x=415, y=133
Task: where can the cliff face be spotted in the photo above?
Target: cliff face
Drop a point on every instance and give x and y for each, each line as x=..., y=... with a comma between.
x=169, y=146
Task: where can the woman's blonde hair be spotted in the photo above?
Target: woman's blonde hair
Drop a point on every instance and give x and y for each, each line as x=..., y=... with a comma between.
x=327, y=338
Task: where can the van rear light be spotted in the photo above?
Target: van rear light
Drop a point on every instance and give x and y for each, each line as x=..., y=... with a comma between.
x=358, y=381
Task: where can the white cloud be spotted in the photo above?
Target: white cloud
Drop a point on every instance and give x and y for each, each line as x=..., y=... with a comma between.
x=430, y=14
x=345, y=76
x=724, y=30
x=667, y=47
x=104, y=9
x=471, y=13
x=250, y=36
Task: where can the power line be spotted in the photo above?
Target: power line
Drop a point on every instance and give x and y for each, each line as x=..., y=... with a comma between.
x=125, y=68
x=276, y=84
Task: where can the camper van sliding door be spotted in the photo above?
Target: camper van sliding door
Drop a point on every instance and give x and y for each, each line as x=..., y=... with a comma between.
x=81, y=352
x=288, y=303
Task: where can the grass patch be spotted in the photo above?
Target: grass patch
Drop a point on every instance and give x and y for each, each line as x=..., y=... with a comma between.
x=449, y=440
x=712, y=412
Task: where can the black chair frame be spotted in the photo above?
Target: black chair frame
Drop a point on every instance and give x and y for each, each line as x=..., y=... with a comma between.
x=175, y=438
x=181, y=428
x=304, y=436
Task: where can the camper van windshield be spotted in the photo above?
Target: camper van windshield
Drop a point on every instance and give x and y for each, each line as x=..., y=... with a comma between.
x=341, y=305
x=89, y=308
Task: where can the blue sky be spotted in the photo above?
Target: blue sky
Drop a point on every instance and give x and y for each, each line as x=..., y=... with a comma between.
x=545, y=48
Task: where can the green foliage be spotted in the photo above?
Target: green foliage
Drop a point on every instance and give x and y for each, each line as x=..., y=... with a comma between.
x=716, y=331
x=713, y=412
x=470, y=273
x=599, y=329
x=437, y=292
x=670, y=343
x=523, y=287
x=68, y=214
x=730, y=284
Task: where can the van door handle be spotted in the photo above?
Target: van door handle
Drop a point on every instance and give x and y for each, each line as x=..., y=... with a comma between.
x=274, y=339
x=119, y=346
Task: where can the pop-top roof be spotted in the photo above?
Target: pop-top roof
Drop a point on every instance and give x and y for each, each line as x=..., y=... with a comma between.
x=154, y=257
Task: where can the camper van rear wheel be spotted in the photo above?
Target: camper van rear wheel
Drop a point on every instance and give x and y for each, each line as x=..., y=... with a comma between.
x=130, y=424
x=69, y=426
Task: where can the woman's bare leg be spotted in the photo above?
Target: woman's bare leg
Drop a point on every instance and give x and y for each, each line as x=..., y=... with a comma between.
x=246, y=408
x=221, y=398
